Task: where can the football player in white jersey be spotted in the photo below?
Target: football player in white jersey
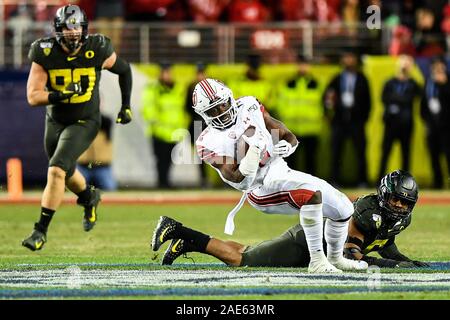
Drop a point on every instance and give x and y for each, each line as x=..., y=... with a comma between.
x=262, y=174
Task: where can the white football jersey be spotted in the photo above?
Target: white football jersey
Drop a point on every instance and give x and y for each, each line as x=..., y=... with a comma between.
x=213, y=142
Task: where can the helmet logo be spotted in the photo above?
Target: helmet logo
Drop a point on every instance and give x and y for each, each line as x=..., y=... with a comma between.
x=74, y=12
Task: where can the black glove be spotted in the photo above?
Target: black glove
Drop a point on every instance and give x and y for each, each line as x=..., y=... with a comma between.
x=406, y=264
x=412, y=264
x=421, y=264
x=74, y=88
x=71, y=89
x=124, y=116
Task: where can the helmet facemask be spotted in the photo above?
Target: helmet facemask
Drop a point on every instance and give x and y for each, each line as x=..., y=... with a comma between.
x=217, y=118
x=214, y=102
x=71, y=27
x=398, y=194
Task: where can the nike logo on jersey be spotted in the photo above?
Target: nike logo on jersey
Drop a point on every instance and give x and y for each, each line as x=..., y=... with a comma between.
x=71, y=58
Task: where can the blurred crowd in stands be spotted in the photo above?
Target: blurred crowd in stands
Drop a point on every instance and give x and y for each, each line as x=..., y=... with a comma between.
x=420, y=27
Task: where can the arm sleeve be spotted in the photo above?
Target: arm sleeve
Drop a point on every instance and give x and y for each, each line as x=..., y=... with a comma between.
x=123, y=69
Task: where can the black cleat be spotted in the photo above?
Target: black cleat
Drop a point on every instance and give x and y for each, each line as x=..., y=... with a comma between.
x=163, y=231
x=36, y=240
x=90, y=209
x=176, y=248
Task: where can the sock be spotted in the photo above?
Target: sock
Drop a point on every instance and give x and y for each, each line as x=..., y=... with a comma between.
x=335, y=235
x=311, y=219
x=45, y=218
x=192, y=237
x=84, y=196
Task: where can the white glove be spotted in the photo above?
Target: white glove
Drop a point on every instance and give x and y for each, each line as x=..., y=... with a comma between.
x=284, y=149
x=257, y=141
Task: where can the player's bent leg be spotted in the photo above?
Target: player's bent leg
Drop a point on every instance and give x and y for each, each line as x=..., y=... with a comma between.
x=311, y=219
x=335, y=236
x=54, y=189
x=51, y=200
x=227, y=251
x=88, y=197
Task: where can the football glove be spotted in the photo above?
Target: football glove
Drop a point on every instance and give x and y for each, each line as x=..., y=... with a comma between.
x=71, y=89
x=421, y=264
x=284, y=149
x=74, y=88
x=412, y=264
x=125, y=115
x=257, y=141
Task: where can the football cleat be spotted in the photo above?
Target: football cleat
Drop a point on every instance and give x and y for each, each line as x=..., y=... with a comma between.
x=36, y=240
x=163, y=231
x=322, y=265
x=349, y=265
x=90, y=209
x=176, y=248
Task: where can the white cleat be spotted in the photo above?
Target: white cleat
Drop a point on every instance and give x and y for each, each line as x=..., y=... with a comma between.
x=322, y=266
x=349, y=265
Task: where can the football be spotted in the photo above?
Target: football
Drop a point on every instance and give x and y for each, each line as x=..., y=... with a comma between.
x=242, y=146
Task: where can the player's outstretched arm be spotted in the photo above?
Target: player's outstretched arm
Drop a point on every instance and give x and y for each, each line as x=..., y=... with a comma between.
x=352, y=249
x=122, y=68
x=392, y=252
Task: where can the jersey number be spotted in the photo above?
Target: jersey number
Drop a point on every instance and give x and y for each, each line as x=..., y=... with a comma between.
x=377, y=243
x=60, y=78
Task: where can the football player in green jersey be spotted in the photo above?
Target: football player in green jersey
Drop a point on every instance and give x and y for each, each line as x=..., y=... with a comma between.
x=64, y=76
x=377, y=219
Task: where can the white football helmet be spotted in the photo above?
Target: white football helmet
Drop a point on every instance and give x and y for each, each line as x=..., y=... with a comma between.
x=210, y=93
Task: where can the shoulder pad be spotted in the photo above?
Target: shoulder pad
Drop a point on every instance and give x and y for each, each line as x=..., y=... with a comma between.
x=367, y=213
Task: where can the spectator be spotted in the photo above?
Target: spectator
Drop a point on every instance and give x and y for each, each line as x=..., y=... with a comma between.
x=252, y=83
x=435, y=110
x=428, y=38
x=445, y=25
x=401, y=43
x=196, y=124
x=347, y=105
x=163, y=110
x=398, y=97
x=299, y=108
x=109, y=16
x=147, y=10
x=408, y=10
x=351, y=15
x=249, y=11
x=316, y=10
x=207, y=11
x=95, y=163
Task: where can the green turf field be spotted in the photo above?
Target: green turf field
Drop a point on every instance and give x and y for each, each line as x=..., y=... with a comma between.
x=114, y=260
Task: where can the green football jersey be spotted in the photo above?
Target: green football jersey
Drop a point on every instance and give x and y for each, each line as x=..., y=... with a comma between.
x=84, y=67
x=378, y=230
